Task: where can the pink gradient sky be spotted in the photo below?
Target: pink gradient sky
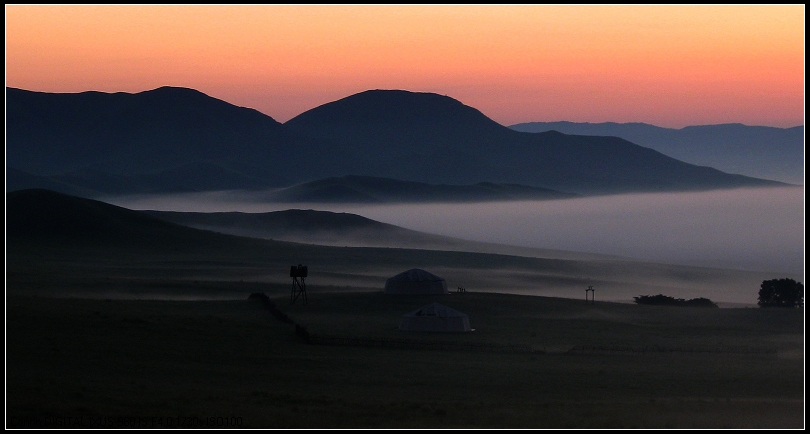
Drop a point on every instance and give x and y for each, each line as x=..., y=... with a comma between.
x=670, y=66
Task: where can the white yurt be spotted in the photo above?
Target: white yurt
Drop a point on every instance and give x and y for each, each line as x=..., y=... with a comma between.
x=435, y=317
x=415, y=281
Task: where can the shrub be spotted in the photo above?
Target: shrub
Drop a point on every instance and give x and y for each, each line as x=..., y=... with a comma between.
x=665, y=300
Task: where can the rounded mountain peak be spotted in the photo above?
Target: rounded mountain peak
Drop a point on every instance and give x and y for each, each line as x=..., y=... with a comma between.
x=391, y=106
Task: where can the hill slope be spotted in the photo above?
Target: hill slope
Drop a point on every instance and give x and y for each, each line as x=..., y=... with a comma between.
x=48, y=218
x=345, y=229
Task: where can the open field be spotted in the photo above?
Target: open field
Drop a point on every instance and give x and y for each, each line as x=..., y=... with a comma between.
x=229, y=363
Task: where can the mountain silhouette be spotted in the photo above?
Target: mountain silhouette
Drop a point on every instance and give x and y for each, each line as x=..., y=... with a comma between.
x=432, y=138
x=150, y=135
x=176, y=139
x=759, y=151
x=385, y=120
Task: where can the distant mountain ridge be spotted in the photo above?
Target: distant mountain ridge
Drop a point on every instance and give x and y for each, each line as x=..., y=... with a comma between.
x=367, y=189
x=759, y=151
x=176, y=139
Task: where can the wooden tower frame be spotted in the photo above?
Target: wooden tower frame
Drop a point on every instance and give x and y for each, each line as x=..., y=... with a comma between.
x=591, y=300
x=299, y=285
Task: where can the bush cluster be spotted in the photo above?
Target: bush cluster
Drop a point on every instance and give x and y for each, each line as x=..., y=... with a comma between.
x=664, y=300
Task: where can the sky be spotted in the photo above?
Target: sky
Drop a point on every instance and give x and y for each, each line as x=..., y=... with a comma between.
x=667, y=65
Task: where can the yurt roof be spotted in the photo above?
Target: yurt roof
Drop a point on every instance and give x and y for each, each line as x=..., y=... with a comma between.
x=416, y=275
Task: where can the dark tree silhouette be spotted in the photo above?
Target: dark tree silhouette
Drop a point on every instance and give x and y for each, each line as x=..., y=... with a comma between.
x=781, y=293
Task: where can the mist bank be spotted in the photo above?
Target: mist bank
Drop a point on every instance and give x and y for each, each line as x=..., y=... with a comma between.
x=757, y=229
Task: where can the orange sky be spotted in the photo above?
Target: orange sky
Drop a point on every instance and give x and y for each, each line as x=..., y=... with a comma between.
x=670, y=66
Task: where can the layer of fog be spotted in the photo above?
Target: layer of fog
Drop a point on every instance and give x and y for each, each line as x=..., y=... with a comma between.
x=752, y=229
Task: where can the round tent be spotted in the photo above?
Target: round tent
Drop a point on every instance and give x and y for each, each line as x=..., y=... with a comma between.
x=415, y=281
x=435, y=317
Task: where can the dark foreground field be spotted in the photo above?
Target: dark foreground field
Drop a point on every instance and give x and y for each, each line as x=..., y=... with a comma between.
x=74, y=362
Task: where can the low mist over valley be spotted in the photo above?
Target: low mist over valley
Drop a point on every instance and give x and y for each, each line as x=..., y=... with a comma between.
x=746, y=229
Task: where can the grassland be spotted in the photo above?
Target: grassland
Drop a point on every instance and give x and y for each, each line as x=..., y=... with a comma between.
x=75, y=362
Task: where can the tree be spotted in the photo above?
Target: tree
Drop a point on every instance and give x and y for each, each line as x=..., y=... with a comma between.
x=781, y=293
